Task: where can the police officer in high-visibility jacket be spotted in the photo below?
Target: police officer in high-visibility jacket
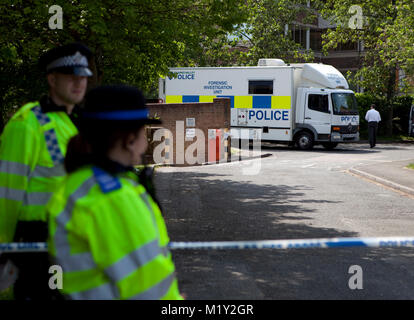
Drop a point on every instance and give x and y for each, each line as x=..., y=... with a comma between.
x=105, y=230
x=32, y=150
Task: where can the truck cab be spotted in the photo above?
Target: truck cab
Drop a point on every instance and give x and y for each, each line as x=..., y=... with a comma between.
x=326, y=110
x=325, y=116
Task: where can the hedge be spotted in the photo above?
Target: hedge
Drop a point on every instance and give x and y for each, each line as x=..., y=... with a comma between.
x=401, y=110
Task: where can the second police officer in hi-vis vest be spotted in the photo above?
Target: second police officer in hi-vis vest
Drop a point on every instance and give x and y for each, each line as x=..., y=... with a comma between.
x=105, y=230
x=32, y=150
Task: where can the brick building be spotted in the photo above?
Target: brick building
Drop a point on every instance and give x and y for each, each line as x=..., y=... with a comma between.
x=190, y=133
x=346, y=57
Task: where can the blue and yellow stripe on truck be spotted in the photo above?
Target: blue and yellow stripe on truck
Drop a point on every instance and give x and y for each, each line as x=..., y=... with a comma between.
x=239, y=102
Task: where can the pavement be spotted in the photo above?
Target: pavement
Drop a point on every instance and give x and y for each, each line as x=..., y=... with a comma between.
x=393, y=174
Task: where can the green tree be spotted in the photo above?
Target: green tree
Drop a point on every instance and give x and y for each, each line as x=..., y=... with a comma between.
x=386, y=32
x=134, y=41
x=262, y=35
x=397, y=44
x=265, y=30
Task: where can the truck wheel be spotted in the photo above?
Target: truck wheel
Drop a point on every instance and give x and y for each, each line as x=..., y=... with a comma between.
x=304, y=141
x=330, y=145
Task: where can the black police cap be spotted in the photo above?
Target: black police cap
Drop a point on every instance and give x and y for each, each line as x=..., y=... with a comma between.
x=69, y=59
x=116, y=103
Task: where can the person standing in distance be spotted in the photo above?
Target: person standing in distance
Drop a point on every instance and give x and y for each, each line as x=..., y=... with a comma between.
x=105, y=230
x=32, y=150
x=373, y=117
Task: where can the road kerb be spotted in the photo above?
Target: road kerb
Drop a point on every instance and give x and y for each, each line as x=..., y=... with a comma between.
x=383, y=181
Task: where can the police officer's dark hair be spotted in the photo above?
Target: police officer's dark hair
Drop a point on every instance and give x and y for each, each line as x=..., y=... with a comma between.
x=91, y=148
x=97, y=136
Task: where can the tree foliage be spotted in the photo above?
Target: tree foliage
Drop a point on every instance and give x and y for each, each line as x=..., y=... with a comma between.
x=401, y=106
x=266, y=29
x=397, y=42
x=387, y=36
x=134, y=41
x=263, y=35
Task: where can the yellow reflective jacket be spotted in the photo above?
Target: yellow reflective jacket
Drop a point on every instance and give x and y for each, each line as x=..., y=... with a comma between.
x=32, y=149
x=110, y=239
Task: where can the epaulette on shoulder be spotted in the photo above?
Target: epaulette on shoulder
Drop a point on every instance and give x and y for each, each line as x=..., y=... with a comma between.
x=24, y=111
x=106, y=181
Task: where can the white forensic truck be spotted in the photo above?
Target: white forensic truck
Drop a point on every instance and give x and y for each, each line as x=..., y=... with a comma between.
x=301, y=104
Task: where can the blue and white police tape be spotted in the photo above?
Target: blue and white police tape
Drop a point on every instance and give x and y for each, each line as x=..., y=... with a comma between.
x=23, y=247
x=378, y=242
x=298, y=243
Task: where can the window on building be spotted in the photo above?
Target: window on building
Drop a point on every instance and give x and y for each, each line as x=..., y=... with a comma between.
x=316, y=40
x=299, y=35
x=260, y=86
x=318, y=102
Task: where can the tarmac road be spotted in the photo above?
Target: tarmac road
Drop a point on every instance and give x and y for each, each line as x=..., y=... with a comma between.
x=296, y=195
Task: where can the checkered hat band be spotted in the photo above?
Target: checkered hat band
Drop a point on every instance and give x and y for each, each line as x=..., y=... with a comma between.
x=76, y=60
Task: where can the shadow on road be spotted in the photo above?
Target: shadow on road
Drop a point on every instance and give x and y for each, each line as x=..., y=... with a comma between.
x=202, y=207
x=205, y=209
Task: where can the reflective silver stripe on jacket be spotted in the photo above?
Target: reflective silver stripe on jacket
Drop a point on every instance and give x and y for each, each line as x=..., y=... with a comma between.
x=106, y=291
x=12, y=194
x=133, y=260
x=20, y=169
x=72, y=262
x=47, y=172
x=109, y=291
x=28, y=198
x=36, y=198
x=157, y=291
x=11, y=167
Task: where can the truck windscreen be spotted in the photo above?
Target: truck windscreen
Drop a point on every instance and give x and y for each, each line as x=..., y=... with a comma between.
x=344, y=103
